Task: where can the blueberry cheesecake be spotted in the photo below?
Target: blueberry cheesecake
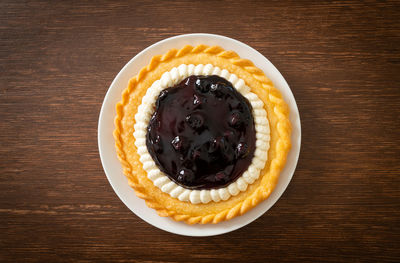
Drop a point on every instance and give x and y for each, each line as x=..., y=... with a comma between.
x=202, y=134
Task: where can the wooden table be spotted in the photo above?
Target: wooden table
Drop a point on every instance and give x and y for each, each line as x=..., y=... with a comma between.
x=341, y=60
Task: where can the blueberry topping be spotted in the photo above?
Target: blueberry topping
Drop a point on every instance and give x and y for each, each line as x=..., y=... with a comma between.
x=235, y=120
x=228, y=170
x=162, y=95
x=202, y=133
x=217, y=90
x=202, y=86
x=195, y=121
x=221, y=177
x=196, y=100
x=157, y=145
x=214, y=145
x=229, y=135
x=181, y=127
x=214, y=86
x=186, y=176
x=242, y=150
x=177, y=143
x=195, y=155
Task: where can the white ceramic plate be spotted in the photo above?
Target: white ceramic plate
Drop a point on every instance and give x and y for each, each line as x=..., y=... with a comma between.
x=112, y=166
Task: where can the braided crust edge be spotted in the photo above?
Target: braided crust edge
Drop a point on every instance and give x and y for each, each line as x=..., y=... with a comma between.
x=283, y=128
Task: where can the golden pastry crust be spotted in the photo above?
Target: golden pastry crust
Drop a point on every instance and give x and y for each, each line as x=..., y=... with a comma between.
x=213, y=212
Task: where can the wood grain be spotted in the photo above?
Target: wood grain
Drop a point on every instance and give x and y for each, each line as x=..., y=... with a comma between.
x=341, y=59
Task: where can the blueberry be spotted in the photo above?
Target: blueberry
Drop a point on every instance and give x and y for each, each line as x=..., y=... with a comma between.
x=177, y=143
x=186, y=176
x=214, y=87
x=229, y=135
x=196, y=100
x=154, y=122
x=213, y=145
x=217, y=90
x=189, y=164
x=157, y=145
x=221, y=177
x=224, y=145
x=235, y=120
x=242, y=150
x=162, y=95
x=195, y=121
x=202, y=86
x=195, y=155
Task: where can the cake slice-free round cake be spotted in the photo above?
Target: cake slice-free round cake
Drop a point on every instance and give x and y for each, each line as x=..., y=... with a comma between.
x=202, y=134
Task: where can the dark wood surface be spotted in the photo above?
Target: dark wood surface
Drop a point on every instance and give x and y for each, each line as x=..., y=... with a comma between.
x=341, y=60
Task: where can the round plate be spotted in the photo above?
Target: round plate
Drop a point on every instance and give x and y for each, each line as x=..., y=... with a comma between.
x=112, y=166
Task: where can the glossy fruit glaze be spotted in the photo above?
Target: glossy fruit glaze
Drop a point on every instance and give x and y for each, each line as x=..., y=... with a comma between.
x=202, y=133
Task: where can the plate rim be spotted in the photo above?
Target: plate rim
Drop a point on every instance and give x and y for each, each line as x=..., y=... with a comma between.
x=286, y=93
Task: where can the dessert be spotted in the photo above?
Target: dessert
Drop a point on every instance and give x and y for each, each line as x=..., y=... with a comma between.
x=202, y=134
